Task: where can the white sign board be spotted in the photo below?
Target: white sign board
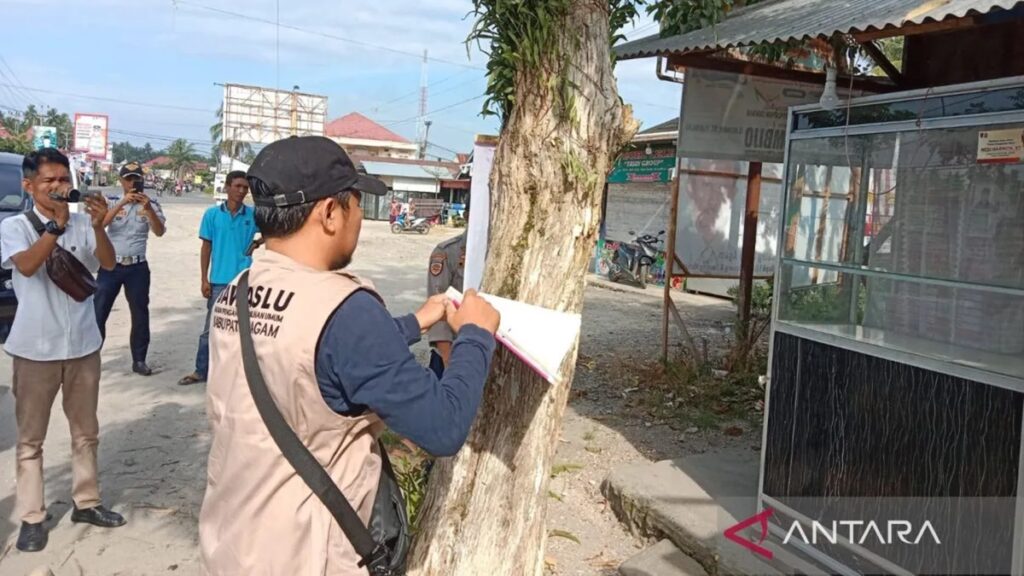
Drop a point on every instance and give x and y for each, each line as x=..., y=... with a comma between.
x=709, y=233
x=480, y=218
x=264, y=115
x=1001, y=146
x=91, y=135
x=737, y=117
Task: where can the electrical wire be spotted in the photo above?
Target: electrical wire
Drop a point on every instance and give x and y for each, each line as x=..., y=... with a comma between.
x=322, y=34
x=417, y=91
x=456, y=105
x=14, y=78
x=115, y=100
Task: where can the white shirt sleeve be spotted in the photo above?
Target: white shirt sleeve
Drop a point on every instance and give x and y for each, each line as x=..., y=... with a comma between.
x=87, y=255
x=14, y=239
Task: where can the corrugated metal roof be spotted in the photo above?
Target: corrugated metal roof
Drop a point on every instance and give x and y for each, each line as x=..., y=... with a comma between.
x=405, y=170
x=669, y=126
x=781, y=20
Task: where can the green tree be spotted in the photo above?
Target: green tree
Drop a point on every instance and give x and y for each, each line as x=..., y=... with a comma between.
x=16, y=145
x=63, y=124
x=125, y=151
x=182, y=156
x=231, y=148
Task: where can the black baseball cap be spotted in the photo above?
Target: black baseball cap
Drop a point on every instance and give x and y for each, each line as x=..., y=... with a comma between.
x=303, y=169
x=131, y=169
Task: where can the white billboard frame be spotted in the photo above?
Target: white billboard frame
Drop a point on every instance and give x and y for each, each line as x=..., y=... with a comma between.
x=264, y=115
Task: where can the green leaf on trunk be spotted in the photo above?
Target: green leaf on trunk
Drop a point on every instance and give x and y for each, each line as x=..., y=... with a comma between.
x=563, y=468
x=563, y=534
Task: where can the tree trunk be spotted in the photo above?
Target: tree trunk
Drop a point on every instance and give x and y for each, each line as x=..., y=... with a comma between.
x=484, y=512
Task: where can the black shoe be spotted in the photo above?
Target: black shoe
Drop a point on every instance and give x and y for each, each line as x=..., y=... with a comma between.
x=142, y=368
x=98, y=516
x=32, y=538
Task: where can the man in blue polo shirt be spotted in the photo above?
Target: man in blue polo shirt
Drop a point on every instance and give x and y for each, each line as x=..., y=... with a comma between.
x=227, y=231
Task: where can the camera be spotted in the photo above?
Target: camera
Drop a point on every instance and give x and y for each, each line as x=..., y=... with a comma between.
x=138, y=186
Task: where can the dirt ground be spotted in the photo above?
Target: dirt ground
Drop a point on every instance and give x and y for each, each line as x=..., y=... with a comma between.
x=154, y=439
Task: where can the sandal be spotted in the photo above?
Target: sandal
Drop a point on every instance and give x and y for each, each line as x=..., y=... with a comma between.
x=191, y=379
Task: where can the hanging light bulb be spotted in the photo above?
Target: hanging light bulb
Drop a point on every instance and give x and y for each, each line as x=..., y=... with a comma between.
x=829, y=98
x=649, y=150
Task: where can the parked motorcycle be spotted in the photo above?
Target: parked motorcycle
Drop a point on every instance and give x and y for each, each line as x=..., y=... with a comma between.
x=632, y=262
x=421, y=225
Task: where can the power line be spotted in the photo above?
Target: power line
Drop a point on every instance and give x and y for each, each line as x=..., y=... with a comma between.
x=158, y=137
x=321, y=34
x=416, y=92
x=18, y=81
x=114, y=100
x=14, y=97
x=456, y=105
x=641, y=102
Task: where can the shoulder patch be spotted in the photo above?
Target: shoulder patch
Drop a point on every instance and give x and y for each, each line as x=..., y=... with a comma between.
x=437, y=260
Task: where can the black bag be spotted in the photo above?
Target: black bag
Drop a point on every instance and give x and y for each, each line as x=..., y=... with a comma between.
x=384, y=545
x=66, y=271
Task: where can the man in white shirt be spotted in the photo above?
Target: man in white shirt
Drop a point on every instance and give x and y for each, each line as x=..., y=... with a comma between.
x=55, y=342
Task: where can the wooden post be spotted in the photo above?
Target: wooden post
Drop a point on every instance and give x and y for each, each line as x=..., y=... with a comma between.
x=749, y=245
x=670, y=260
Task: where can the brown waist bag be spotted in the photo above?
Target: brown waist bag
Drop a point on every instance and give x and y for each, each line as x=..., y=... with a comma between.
x=66, y=271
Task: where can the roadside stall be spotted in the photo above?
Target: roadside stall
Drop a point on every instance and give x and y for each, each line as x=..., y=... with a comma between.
x=894, y=427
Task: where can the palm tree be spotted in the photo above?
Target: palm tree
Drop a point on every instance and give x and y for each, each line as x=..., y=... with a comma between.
x=182, y=154
x=232, y=148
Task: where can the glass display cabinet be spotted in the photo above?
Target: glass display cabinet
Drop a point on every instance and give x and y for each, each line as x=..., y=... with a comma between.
x=897, y=362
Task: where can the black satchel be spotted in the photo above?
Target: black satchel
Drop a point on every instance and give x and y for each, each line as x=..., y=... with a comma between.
x=384, y=545
x=66, y=271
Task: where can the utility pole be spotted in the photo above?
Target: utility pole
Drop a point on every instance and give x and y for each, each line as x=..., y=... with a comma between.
x=295, y=111
x=426, y=138
x=424, y=125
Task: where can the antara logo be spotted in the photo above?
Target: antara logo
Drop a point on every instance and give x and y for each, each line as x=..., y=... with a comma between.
x=860, y=532
x=855, y=531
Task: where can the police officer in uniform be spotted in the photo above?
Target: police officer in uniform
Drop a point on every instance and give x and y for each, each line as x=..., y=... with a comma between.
x=130, y=220
x=447, y=269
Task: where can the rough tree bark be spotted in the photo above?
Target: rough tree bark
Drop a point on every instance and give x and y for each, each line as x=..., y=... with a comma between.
x=484, y=512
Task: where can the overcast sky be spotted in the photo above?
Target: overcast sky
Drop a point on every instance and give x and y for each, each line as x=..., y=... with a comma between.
x=361, y=55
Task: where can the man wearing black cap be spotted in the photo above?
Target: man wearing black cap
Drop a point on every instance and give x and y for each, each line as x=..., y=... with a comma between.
x=337, y=365
x=129, y=222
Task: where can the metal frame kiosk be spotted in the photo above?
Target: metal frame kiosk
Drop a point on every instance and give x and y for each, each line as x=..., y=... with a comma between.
x=897, y=353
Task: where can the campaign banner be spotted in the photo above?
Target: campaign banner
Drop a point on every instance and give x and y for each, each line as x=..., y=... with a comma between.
x=91, y=134
x=44, y=137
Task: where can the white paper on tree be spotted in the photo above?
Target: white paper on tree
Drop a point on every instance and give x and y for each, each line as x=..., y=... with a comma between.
x=479, y=221
x=538, y=336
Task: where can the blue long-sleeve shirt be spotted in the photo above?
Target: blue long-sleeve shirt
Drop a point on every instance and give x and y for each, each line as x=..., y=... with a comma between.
x=363, y=363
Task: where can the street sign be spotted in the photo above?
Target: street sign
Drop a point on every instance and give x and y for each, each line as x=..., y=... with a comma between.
x=639, y=166
x=265, y=115
x=91, y=135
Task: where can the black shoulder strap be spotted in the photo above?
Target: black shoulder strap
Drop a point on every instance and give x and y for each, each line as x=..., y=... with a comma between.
x=35, y=221
x=304, y=463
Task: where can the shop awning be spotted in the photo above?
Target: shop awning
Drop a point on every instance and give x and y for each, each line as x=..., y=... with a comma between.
x=783, y=20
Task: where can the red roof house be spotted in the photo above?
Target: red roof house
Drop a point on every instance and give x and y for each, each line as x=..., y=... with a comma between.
x=357, y=134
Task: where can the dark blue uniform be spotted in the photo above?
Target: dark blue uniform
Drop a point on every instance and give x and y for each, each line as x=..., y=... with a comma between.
x=129, y=233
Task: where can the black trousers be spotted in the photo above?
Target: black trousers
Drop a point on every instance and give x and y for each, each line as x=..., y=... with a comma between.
x=135, y=278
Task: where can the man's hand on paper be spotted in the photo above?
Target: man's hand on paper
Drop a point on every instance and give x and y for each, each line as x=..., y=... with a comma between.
x=473, y=310
x=432, y=312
